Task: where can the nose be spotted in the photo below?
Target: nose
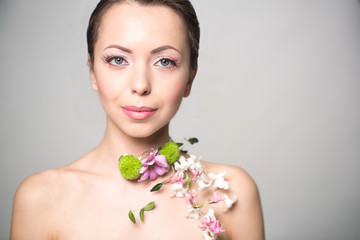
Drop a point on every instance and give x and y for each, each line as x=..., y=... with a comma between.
x=140, y=83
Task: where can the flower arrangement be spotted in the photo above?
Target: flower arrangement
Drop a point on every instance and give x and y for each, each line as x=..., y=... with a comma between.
x=159, y=163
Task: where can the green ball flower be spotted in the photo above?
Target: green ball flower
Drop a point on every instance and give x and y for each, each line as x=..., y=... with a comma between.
x=130, y=166
x=171, y=152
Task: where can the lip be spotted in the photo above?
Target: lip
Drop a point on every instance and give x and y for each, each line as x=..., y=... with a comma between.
x=139, y=113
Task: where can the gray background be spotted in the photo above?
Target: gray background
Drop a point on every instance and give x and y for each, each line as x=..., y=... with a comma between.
x=277, y=93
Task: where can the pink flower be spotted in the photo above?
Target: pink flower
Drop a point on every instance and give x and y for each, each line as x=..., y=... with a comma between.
x=190, y=197
x=216, y=198
x=196, y=174
x=155, y=165
x=212, y=224
x=179, y=178
x=215, y=227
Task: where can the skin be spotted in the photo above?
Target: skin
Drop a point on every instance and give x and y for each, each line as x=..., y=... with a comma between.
x=89, y=199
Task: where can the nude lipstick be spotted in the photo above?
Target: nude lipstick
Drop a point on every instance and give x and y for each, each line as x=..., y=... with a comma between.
x=138, y=113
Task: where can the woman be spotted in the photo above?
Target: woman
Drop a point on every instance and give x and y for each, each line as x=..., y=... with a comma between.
x=143, y=60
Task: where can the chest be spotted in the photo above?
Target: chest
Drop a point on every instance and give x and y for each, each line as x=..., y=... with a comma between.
x=104, y=215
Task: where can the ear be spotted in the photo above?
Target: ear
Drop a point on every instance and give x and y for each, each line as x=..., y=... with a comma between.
x=190, y=82
x=92, y=75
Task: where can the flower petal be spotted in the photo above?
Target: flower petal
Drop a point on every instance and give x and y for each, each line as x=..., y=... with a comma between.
x=143, y=169
x=144, y=176
x=153, y=174
x=161, y=161
x=159, y=170
x=149, y=162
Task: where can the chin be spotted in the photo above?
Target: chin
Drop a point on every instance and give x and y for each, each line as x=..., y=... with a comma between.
x=147, y=131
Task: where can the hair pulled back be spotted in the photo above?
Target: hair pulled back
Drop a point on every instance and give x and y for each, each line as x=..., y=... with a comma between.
x=183, y=8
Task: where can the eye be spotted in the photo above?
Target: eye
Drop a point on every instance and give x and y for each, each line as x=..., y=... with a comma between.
x=166, y=62
x=116, y=61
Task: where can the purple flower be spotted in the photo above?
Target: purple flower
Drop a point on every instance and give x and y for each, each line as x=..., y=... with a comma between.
x=155, y=165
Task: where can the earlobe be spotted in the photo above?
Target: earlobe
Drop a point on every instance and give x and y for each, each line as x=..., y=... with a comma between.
x=93, y=80
x=92, y=75
x=190, y=82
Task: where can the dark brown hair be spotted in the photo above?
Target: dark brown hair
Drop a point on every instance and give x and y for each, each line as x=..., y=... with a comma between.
x=183, y=8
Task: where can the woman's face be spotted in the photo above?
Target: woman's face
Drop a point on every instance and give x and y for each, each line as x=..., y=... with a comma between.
x=141, y=67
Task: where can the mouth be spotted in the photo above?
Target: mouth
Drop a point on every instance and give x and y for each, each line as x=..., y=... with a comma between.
x=139, y=113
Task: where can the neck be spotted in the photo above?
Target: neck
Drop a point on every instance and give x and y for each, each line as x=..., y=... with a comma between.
x=116, y=143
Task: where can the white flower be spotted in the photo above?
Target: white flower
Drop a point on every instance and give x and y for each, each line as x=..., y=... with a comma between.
x=228, y=201
x=195, y=163
x=209, y=235
x=203, y=182
x=193, y=212
x=182, y=164
x=178, y=190
x=219, y=181
x=210, y=214
x=211, y=226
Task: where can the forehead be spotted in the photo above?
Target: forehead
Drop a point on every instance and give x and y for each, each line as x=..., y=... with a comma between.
x=131, y=23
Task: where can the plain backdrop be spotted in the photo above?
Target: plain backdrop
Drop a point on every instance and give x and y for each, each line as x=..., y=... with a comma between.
x=277, y=93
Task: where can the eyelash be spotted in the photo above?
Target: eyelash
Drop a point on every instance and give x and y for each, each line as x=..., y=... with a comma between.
x=108, y=60
x=172, y=63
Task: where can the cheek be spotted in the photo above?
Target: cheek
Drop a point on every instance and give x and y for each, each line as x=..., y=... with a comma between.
x=108, y=88
x=174, y=93
x=105, y=91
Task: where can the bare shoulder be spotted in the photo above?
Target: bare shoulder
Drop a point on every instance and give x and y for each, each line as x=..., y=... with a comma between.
x=30, y=203
x=241, y=183
x=33, y=205
x=37, y=189
x=244, y=220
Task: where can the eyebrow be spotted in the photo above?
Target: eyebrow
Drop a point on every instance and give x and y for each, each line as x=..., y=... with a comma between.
x=156, y=50
x=159, y=49
x=119, y=47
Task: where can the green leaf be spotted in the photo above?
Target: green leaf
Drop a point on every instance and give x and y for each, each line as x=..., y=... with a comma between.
x=179, y=144
x=142, y=214
x=193, y=140
x=156, y=187
x=200, y=206
x=187, y=183
x=132, y=217
x=149, y=206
